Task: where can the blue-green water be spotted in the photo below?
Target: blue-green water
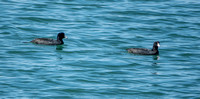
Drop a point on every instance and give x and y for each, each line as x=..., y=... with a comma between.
x=93, y=62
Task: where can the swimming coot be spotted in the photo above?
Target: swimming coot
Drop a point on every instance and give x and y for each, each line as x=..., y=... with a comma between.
x=144, y=51
x=48, y=41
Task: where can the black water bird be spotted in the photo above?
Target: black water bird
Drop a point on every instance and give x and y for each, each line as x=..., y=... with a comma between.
x=49, y=41
x=144, y=51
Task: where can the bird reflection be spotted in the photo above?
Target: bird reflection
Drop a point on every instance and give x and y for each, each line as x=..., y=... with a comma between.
x=156, y=57
x=155, y=64
x=59, y=47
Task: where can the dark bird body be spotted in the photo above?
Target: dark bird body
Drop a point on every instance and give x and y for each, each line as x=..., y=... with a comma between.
x=48, y=41
x=144, y=51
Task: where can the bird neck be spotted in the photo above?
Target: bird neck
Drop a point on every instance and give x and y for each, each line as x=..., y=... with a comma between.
x=155, y=48
x=60, y=40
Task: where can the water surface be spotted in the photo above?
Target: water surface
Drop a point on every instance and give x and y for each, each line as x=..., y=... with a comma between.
x=93, y=62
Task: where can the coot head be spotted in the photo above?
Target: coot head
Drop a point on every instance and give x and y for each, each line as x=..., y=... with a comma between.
x=61, y=35
x=156, y=45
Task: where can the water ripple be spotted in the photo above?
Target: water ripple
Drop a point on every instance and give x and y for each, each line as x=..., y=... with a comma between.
x=93, y=62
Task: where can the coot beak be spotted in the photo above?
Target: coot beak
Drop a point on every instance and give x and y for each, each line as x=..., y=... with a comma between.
x=66, y=37
x=158, y=44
